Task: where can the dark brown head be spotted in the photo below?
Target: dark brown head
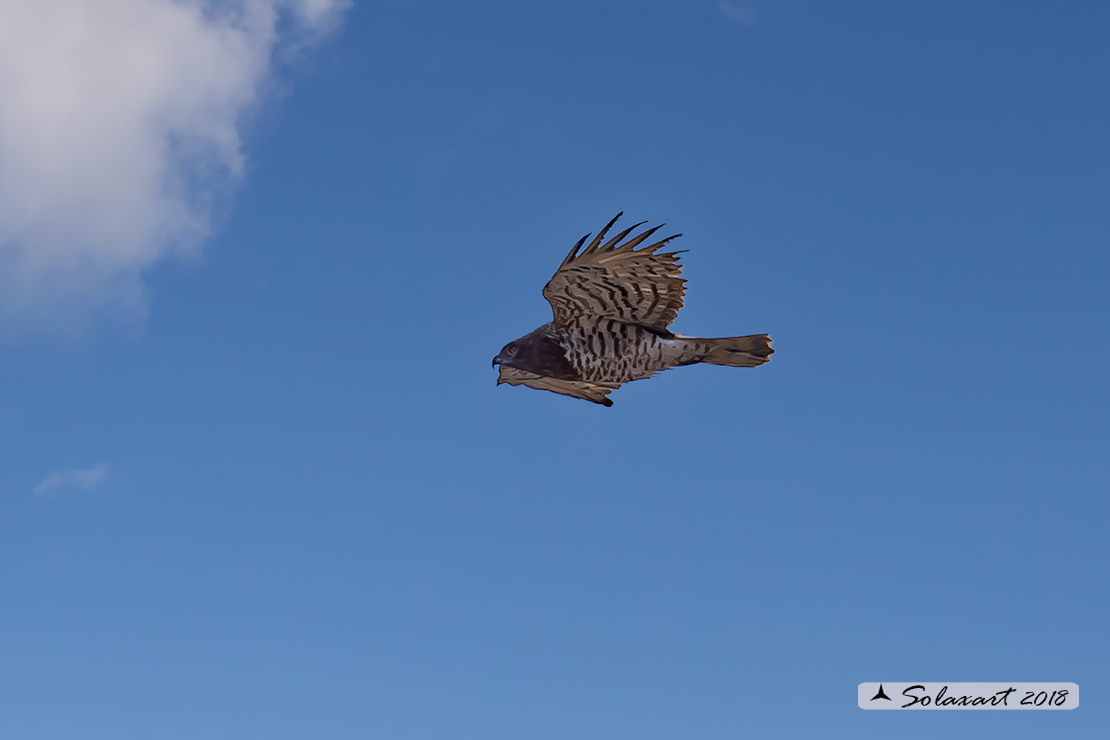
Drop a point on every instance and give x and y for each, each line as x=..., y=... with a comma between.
x=540, y=353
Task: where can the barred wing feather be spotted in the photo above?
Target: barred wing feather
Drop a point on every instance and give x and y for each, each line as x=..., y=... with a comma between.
x=617, y=281
x=595, y=392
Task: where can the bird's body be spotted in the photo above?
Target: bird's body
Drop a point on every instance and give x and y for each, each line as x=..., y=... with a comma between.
x=607, y=350
x=612, y=306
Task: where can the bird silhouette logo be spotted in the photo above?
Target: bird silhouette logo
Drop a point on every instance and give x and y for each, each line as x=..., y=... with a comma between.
x=881, y=695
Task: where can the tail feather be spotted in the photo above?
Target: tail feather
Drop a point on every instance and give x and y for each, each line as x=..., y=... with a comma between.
x=749, y=351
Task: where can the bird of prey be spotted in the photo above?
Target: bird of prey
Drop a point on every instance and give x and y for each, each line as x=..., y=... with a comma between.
x=612, y=305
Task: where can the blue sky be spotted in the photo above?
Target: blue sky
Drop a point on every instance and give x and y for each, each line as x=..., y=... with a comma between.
x=258, y=480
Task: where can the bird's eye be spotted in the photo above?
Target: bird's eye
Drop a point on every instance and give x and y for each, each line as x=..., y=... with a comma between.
x=510, y=351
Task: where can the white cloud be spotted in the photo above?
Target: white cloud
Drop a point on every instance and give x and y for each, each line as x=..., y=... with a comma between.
x=82, y=480
x=119, y=133
x=743, y=13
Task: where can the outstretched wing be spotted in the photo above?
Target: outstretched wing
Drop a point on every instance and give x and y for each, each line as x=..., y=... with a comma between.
x=617, y=281
x=595, y=392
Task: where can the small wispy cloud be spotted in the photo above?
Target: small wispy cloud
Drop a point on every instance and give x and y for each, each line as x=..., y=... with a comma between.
x=82, y=480
x=737, y=11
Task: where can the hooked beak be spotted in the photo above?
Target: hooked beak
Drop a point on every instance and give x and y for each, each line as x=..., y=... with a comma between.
x=496, y=361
